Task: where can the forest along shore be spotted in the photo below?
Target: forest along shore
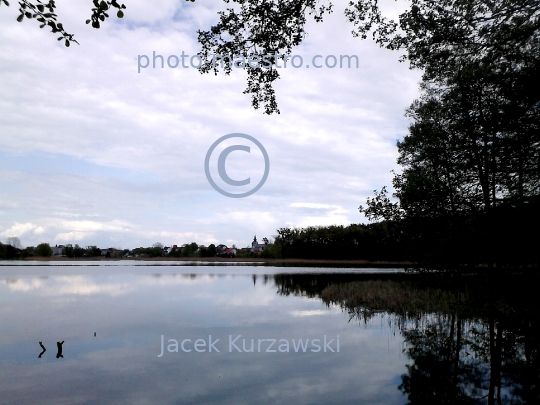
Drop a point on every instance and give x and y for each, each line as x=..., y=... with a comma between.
x=317, y=262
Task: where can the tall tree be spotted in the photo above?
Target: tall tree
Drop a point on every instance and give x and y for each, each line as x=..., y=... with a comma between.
x=472, y=156
x=15, y=242
x=43, y=250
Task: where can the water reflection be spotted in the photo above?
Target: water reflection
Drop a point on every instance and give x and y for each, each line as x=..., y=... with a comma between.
x=472, y=341
x=402, y=339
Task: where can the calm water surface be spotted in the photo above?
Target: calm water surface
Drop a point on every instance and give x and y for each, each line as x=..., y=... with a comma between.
x=122, y=329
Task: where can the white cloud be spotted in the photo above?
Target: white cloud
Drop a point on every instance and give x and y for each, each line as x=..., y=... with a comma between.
x=94, y=152
x=93, y=226
x=316, y=206
x=18, y=230
x=39, y=230
x=67, y=237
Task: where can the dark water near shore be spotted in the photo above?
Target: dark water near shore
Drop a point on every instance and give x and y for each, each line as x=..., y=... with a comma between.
x=389, y=339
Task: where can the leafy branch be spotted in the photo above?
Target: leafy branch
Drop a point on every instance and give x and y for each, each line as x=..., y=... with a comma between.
x=45, y=14
x=99, y=12
x=258, y=28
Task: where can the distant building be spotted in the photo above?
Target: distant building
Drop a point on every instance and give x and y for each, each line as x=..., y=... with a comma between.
x=224, y=251
x=230, y=252
x=220, y=250
x=107, y=252
x=58, y=250
x=257, y=247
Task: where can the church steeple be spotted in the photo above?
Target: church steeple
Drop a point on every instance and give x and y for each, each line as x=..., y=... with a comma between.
x=254, y=243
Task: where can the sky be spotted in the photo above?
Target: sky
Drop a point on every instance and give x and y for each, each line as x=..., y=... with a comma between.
x=94, y=152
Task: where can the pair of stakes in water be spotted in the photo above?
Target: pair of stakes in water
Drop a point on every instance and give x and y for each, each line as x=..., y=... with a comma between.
x=58, y=346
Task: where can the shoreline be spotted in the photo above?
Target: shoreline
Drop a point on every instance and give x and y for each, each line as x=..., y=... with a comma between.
x=285, y=262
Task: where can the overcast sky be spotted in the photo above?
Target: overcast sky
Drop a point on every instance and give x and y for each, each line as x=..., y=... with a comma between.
x=93, y=152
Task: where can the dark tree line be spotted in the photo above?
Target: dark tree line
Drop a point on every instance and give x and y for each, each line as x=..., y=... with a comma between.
x=8, y=252
x=15, y=251
x=380, y=241
x=78, y=251
x=194, y=250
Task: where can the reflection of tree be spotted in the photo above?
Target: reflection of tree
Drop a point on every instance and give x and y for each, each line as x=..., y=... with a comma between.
x=471, y=340
x=443, y=370
x=312, y=285
x=15, y=242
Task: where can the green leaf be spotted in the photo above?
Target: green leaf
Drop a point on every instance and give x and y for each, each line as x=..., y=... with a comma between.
x=67, y=42
x=120, y=14
x=20, y=18
x=103, y=6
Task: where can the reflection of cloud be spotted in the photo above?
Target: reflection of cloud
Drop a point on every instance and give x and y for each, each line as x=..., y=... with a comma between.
x=24, y=285
x=255, y=298
x=121, y=363
x=67, y=285
x=85, y=285
x=310, y=313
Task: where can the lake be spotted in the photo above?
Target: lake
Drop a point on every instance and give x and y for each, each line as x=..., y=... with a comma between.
x=192, y=333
